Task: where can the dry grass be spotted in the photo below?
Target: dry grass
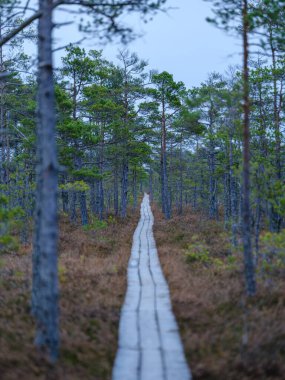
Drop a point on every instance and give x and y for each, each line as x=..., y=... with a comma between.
x=224, y=338
x=92, y=271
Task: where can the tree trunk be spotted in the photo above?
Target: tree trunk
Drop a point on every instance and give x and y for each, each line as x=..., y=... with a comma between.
x=100, y=187
x=180, y=186
x=64, y=198
x=92, y=198
x=2, y=113
x=99, y=198
x=164, y=180
x=72, y=209
x=81, y=194
x=276, y=113
x=135, y=193
x=124, y=189
x=116, y=192
x=213, y=207
x=83, y=208
x=233, y=187
x=248, y=260
x=227, y=201
x=275, y=217
x=150, y=183
x=45, y=273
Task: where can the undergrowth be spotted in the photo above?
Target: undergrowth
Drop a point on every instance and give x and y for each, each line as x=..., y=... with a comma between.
x=225, y=336
x=92, y=275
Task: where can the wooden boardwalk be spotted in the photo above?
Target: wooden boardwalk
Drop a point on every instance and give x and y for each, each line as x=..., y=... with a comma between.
x=150, y=347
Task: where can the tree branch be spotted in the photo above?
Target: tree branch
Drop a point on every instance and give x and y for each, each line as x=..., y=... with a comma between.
x=24, y=24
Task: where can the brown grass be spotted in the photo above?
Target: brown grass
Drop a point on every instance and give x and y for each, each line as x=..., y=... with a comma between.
x=92, y=271
x=224, y=337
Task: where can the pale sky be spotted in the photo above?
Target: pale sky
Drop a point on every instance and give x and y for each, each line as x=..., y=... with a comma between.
x=180, y=42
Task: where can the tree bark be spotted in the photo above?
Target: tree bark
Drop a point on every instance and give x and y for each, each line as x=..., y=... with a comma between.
x=45, y=275
x=276, y=218
x=116, y=191
x=150, y=183
x=248, y=259
x=83, y=208
x=180, y=187
x=135, y=193
x=72, y=209
x=124, y=188
x=2, y=113
x=164, y=180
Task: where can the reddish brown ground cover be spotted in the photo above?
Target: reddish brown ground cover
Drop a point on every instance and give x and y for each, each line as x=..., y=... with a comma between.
x=224, y=338
x=92, y=273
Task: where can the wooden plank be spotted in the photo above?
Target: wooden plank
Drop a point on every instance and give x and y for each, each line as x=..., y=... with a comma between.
x=150, y=347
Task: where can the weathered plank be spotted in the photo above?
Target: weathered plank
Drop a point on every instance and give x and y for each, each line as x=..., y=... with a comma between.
x=150, y=347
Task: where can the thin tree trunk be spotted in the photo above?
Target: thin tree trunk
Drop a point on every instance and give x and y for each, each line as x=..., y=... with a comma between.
x=180, y=187
x=92, y=198
x=124, y=189
x=164, y=179
x=213, y=208
x=257, y=224
x=72, y=209
x=64, y=197
x=276, y=113
x=276, y=218
x=135, y=193
x=248, y=259
x=101, y=169
x=98, y=198
x=83, y=208
x=45, y=274
x=2, y=112
x=81, y=195
x=116, y=192
x=101, y=199
x=227, y=202
x=150, y=183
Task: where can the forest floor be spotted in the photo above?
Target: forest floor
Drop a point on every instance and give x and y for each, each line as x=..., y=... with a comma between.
x=92, y=273
x=224, y=336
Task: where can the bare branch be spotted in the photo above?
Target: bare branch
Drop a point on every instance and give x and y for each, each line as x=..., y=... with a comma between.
x=24, y=24
x=65, y=46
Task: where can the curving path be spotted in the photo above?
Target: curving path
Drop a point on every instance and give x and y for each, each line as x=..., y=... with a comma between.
x=150, y=347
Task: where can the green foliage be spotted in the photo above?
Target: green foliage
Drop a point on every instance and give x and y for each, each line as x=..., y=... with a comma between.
x=273, y=253
x=200, y=250
x=8, y=244
x=111, y=219
x=167, y=90
x=276, y=196
x=86, y=173
x=75, y=186
x=96, y=225
x=9, y=221
x=62, y=273
x=273, y=242
x=197, y=252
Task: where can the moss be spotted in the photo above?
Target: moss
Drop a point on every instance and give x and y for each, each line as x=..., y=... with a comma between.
x=69, y=356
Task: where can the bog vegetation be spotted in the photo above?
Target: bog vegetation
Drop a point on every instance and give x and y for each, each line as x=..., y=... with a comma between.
x=84, y=141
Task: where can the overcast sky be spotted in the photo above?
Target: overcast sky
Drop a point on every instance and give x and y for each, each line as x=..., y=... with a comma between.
x=180, y=42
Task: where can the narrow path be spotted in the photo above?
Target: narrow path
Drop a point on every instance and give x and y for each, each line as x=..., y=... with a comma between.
x=150, y=347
